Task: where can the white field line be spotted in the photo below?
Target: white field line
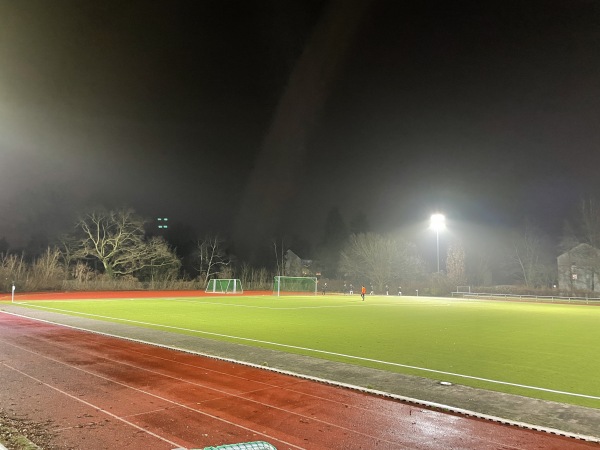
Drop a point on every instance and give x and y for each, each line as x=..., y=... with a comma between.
x=325, y=352
x=198, y=301
x=410, y=400
x=278, y=308
x=357, y=303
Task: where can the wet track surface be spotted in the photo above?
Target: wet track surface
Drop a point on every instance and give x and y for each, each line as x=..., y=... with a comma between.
x=102, y=392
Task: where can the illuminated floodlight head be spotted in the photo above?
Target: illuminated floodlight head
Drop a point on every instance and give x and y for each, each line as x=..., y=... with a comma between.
x=437, y=222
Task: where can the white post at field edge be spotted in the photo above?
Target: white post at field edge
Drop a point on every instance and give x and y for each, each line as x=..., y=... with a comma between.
x=437, y=223
x=13, y=293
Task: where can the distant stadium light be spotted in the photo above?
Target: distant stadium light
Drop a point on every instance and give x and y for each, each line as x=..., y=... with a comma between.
x=437, y=223
x=160, y=220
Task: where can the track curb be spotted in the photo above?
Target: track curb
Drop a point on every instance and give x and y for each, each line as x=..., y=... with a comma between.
x=405, y=399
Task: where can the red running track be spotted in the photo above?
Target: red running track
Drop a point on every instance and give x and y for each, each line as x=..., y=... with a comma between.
x=98, y=392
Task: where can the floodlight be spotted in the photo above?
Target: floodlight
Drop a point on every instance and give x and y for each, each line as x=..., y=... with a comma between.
x=437, y=222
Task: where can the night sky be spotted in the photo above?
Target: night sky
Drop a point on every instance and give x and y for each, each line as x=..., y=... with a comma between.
x=251, y=117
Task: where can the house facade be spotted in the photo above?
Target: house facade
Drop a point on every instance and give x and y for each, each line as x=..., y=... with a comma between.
x=294, y=266
x=579, y=269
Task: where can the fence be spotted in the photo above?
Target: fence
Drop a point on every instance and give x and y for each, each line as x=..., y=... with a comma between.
x=529, y=297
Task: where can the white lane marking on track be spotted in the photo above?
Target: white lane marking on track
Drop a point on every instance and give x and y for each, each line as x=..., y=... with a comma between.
x=413, y=401
x=181, y=405
x=269, y=385
x=226, y=393
x=325, y=352
x=200, y=367
x=91, y=405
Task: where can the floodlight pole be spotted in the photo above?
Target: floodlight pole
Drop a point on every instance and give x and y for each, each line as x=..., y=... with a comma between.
x=437, y=223
x=437, y=242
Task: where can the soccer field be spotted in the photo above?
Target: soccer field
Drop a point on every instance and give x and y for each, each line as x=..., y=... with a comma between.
x=546, y=351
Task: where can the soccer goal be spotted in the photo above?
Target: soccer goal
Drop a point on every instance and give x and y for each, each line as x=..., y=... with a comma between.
x=294, y=285
x=462, y=291
x=224, y=286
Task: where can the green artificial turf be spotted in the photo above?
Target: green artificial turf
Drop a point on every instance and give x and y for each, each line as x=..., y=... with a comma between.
x=482, y=344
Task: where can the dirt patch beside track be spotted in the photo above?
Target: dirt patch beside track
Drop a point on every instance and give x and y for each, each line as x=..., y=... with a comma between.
x=18, y=433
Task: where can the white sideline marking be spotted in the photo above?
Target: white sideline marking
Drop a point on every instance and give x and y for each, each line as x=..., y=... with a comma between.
x=200, y=302
x=278, y=308
x=415, y=401
x=356, y=303
x=325, y=352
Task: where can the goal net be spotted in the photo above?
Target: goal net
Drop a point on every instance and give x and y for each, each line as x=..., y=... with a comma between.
x=294, y=285
x=224, y=286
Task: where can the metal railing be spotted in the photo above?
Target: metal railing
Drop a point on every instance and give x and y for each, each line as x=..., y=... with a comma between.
x=544, y=298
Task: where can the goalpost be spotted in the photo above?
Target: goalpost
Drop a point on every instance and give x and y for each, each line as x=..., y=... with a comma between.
x=294, y=285
x=462, y=291
x=224, y=286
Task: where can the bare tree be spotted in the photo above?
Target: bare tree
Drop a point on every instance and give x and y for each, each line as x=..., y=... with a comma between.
x=255, y=278
x=81, y=272
x=211, y=257
x=117, y=240
x=589, y=210
x=380, y=259
x=158, y=261
x=47, y=271
x=68, y=246
x=480, y=272
x=278, y=257
x=530, y=251
x=456, y=263
x=13, y=269
x=569, y=238
x=335, y=236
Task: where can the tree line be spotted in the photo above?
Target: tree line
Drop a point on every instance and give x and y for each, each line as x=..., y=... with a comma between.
x=114, y=249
